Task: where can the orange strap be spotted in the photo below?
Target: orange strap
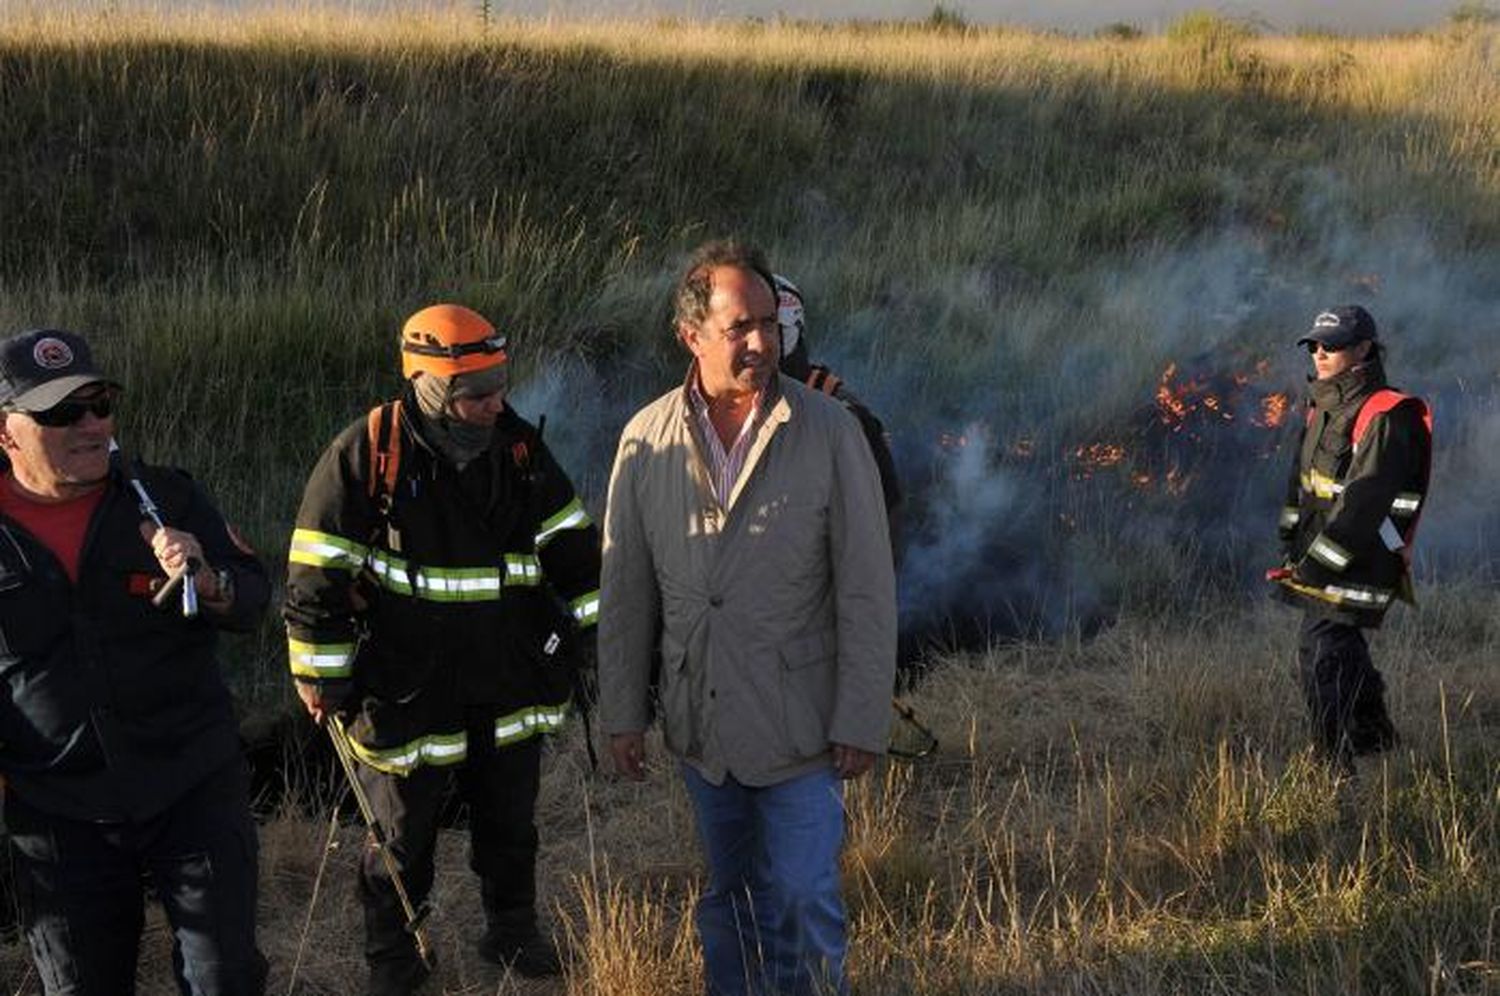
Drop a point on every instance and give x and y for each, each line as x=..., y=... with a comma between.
x=384, y=427
x=823, y=379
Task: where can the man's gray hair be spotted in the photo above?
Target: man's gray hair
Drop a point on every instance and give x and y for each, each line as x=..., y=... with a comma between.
x=690, y=301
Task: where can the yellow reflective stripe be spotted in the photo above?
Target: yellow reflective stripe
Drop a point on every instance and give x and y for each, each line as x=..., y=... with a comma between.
x=522, y=569
x=319, y=660
x=390, y=572
x=1406, y=503
x=1329, y=552
x=1364, y=596
x=529, y=722
x=1321, y=484
x=435, y=748
x=457, y=584
x=1344, y=594
x=1290, y=516
x=586, y=608
x=315, y=549
x=454, y=584
x=571, y=516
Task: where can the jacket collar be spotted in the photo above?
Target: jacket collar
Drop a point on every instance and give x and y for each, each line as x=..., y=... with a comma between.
x=1353, y=385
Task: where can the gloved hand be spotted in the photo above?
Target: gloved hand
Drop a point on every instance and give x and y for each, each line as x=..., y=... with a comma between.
x=325, y=698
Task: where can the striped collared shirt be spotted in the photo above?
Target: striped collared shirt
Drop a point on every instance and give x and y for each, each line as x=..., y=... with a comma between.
x=725, y=466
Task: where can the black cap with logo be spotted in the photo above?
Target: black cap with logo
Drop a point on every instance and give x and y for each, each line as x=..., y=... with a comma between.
x=40, y=367
x=1341, y=327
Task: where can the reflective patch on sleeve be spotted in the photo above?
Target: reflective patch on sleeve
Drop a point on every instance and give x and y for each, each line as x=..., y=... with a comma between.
x=320, y=660
x=1406, y=503
x=586, y=608
x=571, y=516
x=1329, y=553
x=316, y=549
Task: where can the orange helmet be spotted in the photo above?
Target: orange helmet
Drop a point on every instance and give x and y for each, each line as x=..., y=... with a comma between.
x=448, y=339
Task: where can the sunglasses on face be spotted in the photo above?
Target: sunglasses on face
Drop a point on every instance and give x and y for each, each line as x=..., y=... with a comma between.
x=66, y=413
x=1313, y=348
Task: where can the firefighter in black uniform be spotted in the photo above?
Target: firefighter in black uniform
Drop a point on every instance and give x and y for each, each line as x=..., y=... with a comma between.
x=118, y=743
x=1357, y=488
x=440, y=566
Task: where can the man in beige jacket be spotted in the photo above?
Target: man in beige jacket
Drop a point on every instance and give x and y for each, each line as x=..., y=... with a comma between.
x=746, y=545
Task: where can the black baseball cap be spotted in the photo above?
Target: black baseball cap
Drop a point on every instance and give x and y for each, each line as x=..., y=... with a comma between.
x=1341, y=327
x=40, y=367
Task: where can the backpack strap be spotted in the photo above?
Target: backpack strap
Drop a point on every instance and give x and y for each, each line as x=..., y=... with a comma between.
x=1383, y=401
x=384, y=427
x=823, y=379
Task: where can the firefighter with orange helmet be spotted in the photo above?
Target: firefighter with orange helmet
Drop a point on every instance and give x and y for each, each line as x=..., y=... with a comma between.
x=791, y=314
x=440, y=570
x=1357, y=487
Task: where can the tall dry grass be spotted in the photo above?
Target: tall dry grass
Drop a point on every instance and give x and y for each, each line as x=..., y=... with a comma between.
x=1133, y=814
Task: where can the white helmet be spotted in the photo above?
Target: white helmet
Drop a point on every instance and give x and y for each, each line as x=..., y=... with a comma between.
x=788, y=312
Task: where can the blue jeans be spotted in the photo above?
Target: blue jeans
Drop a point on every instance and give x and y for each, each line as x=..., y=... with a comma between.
x=81, y=892
x=772, y=918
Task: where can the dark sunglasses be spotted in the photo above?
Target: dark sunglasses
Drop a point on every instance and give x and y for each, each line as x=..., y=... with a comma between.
x=70, y=412
x=1313, y=347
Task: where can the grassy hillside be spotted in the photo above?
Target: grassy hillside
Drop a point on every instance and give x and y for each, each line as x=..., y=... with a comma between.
x=1005, y=239
x=1067, y=272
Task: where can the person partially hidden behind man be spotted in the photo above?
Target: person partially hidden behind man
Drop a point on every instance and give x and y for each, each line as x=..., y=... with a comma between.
x=746, y=542
x=118, y=745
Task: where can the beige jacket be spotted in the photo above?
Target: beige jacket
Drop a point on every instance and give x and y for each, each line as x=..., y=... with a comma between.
x=775, y=618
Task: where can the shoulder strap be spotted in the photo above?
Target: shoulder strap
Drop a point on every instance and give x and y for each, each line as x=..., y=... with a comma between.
x=384, y=427
x=823, y=379
x=1381, y=402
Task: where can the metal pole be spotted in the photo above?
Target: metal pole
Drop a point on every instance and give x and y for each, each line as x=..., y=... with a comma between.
x=345, y=750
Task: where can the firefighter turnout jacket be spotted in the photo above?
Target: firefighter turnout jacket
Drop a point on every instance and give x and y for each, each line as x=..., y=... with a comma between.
x=114, y=708
x=457, y=590
x=1358, y=485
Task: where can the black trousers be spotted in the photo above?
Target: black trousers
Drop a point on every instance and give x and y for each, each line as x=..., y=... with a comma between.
x=500, y=786
x=1345, y=695
x=81, y=888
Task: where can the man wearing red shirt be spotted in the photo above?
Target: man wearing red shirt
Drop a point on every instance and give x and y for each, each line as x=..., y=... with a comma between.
x=118, y=743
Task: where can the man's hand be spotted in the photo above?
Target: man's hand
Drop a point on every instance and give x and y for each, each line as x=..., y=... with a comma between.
x=851, y=762
x=174, y=548
x=321, y=700
x=629, y=752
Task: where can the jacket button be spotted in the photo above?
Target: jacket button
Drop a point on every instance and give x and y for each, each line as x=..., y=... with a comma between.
x=716, y=600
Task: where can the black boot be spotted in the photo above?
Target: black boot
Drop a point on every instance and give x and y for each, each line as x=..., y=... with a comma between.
x=528, y=954
x=397, y=978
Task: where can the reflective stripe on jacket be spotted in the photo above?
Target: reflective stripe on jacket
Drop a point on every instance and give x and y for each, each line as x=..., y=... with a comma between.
x=463, y=593
x=1351, y=510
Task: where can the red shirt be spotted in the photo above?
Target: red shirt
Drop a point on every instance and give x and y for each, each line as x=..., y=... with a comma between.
x=61, y=525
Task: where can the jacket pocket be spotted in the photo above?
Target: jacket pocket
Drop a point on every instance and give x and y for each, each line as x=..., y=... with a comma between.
x=678, y=706
x=809, y=675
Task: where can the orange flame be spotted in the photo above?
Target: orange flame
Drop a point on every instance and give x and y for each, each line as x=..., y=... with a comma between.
x=1273, y=409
